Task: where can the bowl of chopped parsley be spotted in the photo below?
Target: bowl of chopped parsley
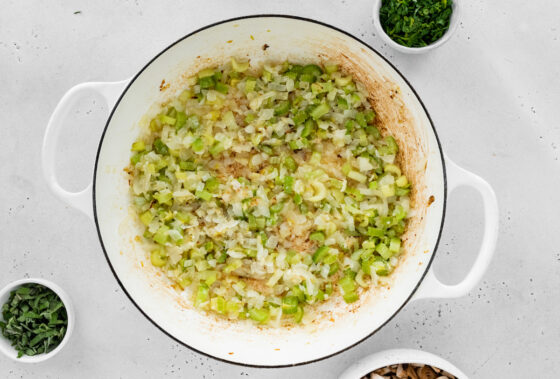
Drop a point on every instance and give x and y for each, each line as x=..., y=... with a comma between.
x=416, y=26
x=36, y=320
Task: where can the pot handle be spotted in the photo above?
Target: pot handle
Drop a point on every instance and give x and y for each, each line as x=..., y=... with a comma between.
x=431, y=286
x=110, y=91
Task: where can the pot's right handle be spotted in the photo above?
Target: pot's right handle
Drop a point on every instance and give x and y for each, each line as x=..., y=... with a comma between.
x=431, y=286
x=110, y=91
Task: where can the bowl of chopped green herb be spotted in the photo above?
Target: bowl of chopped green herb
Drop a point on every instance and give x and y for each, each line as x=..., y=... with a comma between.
x=416, y=26
x=36, y=320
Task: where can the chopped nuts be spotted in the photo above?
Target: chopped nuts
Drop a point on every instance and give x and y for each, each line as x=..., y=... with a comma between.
x=409, y=371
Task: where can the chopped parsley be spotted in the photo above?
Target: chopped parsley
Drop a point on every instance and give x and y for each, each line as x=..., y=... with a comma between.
x=415, y=23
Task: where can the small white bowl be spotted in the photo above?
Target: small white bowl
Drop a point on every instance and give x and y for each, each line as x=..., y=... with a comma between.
x=391, y=357
x=5, y=344
x=453, y=22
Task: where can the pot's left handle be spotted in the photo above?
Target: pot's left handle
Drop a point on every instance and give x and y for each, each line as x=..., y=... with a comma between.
x=110, y=91
x=431, y=286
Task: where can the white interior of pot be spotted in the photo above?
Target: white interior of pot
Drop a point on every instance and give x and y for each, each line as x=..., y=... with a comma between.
x=336, y=326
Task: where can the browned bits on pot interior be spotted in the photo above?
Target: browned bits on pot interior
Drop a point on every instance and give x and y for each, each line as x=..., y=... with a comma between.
x=265, y=46
x=431, y=199
x=163, y=86
x=409, y=371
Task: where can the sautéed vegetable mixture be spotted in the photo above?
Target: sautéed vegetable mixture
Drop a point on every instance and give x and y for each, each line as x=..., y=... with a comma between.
x=264, y=190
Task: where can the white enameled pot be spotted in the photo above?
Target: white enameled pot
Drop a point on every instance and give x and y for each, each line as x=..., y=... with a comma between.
x=335, y=325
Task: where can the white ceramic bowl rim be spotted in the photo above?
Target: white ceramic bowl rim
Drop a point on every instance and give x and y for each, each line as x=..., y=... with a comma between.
x=9, y=351
x=385, y=358
x=365, y=45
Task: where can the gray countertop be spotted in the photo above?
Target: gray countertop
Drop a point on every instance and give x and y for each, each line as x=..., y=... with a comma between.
x=492, y=91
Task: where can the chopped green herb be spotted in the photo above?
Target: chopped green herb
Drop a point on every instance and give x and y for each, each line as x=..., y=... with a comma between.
x=415, y=23
x=34, y=319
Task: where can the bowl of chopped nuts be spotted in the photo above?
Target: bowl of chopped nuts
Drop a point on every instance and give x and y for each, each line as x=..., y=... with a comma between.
x=403, y=364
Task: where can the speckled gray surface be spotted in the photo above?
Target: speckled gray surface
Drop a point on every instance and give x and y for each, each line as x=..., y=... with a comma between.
x=492, y=91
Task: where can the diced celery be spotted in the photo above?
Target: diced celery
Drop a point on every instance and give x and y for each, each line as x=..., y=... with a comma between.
x=388, y=190
x=276, y=208
x=282, y=109
x=135, y=158
x=232, y=308
x=161, y=235
x=138, y=146
x=239, y=66
x=331, y=68
x=146, y=217
x=211, y=277
x=347, y=284
x=250, y=84
x=250, y=118
x=203, y=195
x=222, y=88
x=395, y=245
x=212, y=184
x=374, y=232
x=259, y=315
x=165, y=119
x=184, y=217
x=384, y=251
x=163, y=197
x=401, y=181
x=369, y=115
x=300, y=117
x=402, y=191
x=185, y=281
x=289, y=184
x=319, y=111
x=206, y=82
x=334, y=267
x=176, y=235
x=309, y=78
x=380, y=267
x=357, y=176
x=315, y=158
x=298, y=292
x=320, y=254
x=361, y=119
x=343, y=81
x=308, y=128
x=290, y=163
x=299, y=314
x=232, y=266
x=393, y=169
x=312, y=69
x=185, y=95
x=218, y=304
x=342, y=103
x=202, y=295
x=158, y=257
x=206, y=73
x=180, y=120
x=198, y=145
x=160, y=147
x=350, y=297
x=317, y=236
x=289, y=304
x=187, y=166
